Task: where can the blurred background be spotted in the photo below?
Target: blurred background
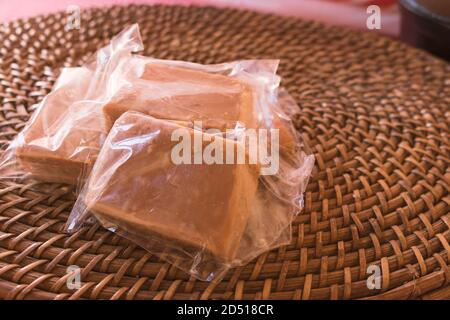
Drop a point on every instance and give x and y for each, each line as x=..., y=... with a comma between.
x=351, y=13
x=421, y=23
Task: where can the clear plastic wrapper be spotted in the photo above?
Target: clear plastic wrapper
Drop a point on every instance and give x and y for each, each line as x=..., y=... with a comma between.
x=62, y=139
x=203, y=217
x=108, y=128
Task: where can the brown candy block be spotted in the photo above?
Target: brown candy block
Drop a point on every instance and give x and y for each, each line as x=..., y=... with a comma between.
x=136, y=185
x=174, y=93
x=65, y=134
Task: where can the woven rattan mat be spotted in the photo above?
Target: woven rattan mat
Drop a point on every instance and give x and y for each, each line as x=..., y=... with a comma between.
x=375, y=112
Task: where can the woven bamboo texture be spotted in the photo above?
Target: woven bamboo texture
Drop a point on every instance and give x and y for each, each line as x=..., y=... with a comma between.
x=375, y=113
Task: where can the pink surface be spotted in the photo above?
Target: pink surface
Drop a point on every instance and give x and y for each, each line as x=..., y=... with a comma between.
x=336, y=12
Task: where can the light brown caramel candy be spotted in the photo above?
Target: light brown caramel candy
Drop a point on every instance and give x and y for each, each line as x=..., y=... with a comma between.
x=136, y=185
x=65, y=134
x=168, y=92
x=63, y=141
x=174, y=93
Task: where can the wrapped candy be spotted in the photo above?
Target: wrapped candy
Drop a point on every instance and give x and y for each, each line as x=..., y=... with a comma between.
x=202, y=214
x=198, y=164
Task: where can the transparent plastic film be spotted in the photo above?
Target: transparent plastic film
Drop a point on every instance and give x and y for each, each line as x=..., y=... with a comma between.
x=63, y=137
x=198, y=164
x=154, y=184
x=202, y=216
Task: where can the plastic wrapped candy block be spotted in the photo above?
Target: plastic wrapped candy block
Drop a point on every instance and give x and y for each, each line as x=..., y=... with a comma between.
x=198, y=211
x=221, y=96
x=205, y=206
x=61, y=141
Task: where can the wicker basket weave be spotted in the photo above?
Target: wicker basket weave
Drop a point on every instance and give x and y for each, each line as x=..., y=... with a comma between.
x=375, y=112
